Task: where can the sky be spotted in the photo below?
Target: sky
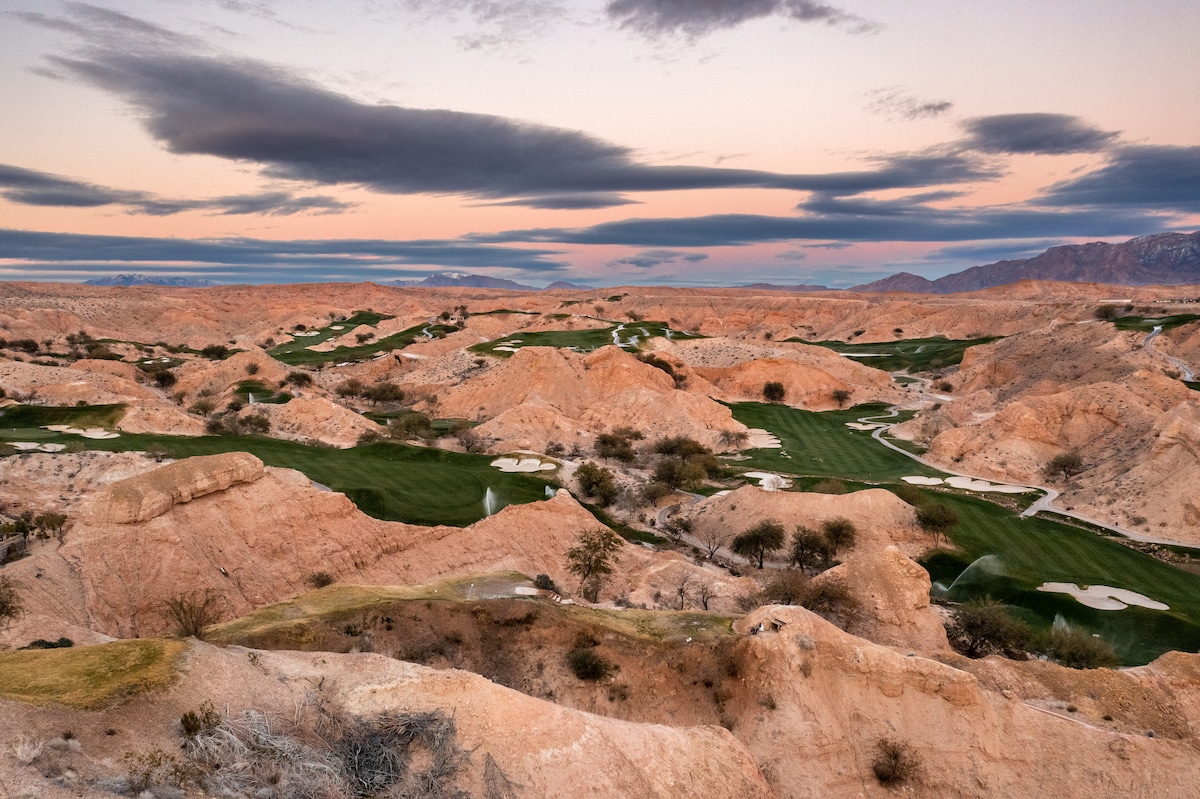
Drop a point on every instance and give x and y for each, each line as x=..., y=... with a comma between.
x=600, y=142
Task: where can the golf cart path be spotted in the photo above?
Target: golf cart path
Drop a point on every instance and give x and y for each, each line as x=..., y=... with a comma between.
x=1189, y=375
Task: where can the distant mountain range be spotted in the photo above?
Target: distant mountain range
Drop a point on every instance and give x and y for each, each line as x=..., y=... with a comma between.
x=1166, y=258
x=775, y=287
x=150, y=280
x=463, y=280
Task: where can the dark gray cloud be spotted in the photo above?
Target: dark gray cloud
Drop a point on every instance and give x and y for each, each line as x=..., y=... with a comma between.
x=239, y=109
x=260, y=260
x=648, y=259
x=30, y=187
x=501, y=24
x=1142, y=177
x=570, y=202
x=1043, y=134
x=897, y=104
x=792, y=255
x=695, y=18
x=934, y=225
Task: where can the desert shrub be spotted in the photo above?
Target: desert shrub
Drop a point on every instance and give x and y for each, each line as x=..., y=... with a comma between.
x=984, y=627
x=617, y=444
x=383, y=392
x=810, y=549
x=163, y=378
x=25, y=345
x=831, y=600
x=368, y=437
x=945, y=386
x=544, y=583
x=320, y=579
x=11, y=606
x=252, y=369
x=216, y=352
x=1075, y=648
x=840, y=533
x=894, y=763
x=351, y=388
x=202, y=406
x=204, y=721
x=1068, y=464
x=841, y=396
x=789, y=587
x=41, y=643
x=297, y=378
x=650, y=359
x=654, y=491
x=1106, y=313
x=194, y=611
x=936, y=518
x=597, y=481
x=588, y=664
x=773, y=391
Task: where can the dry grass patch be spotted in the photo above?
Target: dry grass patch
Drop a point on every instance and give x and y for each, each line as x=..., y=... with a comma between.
x=89, y=677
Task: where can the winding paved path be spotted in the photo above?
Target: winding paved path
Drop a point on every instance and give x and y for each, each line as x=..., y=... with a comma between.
x=1189, y=375
x=1043, y=504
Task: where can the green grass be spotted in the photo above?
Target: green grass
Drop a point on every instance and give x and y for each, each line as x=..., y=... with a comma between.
x=1194, y=386
x=581, y=340
x=1037, y=550
x=84, y=416
x=297, y=352
x=88, y=677
x=387, y=480
x=820, y=444
x=261, y=391
x=913, y=354
x=1148, y=323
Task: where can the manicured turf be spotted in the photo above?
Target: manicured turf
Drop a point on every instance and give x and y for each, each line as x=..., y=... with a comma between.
x=913, y=354
x=84, y=416
x=1148, y=323
x=261, y=391
x=297, y=352
x=387, y=480
x=630, y=334
x=1035, y=550
x=820, y=444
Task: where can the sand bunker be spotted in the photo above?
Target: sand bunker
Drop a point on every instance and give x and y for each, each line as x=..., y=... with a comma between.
x=1103, y=597
x=338, y=327
x=864, y=425
x=523, y=465
x=770, y=482
x=967, y=484
x=762, y=439
x=917, y=480
x=502, y=348
x=984, y=486
x=91, y=432
x=306, y=334
x=33, y=446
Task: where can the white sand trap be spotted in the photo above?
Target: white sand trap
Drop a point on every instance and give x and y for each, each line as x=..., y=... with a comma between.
x=98, y=432
x=523, y=465
x=502, y=348
x=337, y=327
x=864, y=425
x=984, y=486
x=722, y=493
x=57, y=428
x=916, y=480
x=52, y=447
x=525, y=590
x=761, y=439
x=1103, y=597
x=24, y=446
x=414, y=356
x=307, y=334
x=770, y=482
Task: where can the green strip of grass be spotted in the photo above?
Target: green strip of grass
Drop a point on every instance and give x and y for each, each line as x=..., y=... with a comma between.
x=913, y=354
x=296, y=353
x=84, y=416
x=1147, y=324
x=1037, y=550
x=581, y=340
x=820, y=444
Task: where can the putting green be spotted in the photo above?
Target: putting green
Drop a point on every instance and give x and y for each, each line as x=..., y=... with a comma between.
x=912, y=355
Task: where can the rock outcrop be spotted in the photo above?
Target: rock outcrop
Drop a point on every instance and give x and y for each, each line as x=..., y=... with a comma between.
x=147, y=496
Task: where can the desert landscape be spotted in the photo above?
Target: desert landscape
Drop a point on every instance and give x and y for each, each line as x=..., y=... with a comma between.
x=599, y=399
x=348, y=539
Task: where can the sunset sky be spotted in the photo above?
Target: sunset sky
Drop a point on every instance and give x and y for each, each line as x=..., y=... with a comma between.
x=604, y=142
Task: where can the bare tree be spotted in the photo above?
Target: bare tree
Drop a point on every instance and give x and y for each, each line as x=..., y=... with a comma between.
x=683, y=589
x=713, y=538
x=705, y=593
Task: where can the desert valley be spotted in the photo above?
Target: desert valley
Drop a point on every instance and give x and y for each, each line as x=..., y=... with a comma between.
x=352, y=540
